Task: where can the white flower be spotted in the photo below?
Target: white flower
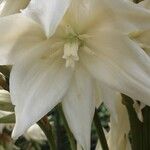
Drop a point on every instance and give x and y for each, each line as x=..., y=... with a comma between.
x=118, y=136
x=8, y=7
x=4, y=96
x=73, y=52
x=35, y=133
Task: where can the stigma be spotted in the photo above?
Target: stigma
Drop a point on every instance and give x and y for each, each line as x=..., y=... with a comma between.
x=71, y=52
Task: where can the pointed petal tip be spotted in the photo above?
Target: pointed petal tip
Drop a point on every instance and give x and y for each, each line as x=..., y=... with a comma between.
x=16, y=133
x=20, y=128
x=47, y=14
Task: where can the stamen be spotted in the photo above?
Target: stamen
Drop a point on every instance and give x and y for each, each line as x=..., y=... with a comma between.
x=71, y=53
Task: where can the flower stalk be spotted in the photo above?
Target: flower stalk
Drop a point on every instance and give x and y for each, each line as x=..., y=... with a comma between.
x=47, y=129
x=100, y=131
x=69, y=133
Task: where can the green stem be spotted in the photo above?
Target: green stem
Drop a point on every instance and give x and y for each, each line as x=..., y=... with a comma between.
x=35, y=145
x=58, y=129
x=100, y=131
x=69, y=133
x=47, y=129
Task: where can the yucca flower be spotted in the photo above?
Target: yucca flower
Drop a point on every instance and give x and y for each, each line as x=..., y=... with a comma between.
x=35, y=133
x=73, y=52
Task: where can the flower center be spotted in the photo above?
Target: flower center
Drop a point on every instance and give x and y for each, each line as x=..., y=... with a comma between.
x=71, y=47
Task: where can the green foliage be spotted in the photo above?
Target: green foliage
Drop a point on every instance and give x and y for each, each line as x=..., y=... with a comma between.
x=8, y=119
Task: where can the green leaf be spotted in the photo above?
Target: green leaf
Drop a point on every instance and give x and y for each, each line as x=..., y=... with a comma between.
x=8, y=118
x=6, y=106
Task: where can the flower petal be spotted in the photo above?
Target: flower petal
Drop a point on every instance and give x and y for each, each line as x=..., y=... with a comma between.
x=129, y=15
x=98, y=95
x=4, y=96
x=143, y=40
x=83, y=14
x=118, y=136
x=37, y=84
x=119, y=63
x=109, y=97
x=35, y=133
x=10, y=7
x=17, y=35
x=79, y=107
x=145, y=4
x=47, y=13
x=138, y=109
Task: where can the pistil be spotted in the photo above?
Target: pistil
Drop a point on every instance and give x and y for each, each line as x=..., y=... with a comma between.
x=71, y=53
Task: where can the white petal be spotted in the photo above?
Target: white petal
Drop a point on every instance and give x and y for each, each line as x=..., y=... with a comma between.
x=35, y=133
x=47, y=12
x=88, y=13
x=79, y=147
x=17, y=35
x=129, y=15
x=37, y=84
x=143, y=39
x=118, y=136
x=119, y=63
x=12, y=6
x=98, y=95
x=110, y=98
x=119, y=122
x=4, y=96
x=145, y=4
x=138, y=109
x=79, y=106
x=83, y=14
